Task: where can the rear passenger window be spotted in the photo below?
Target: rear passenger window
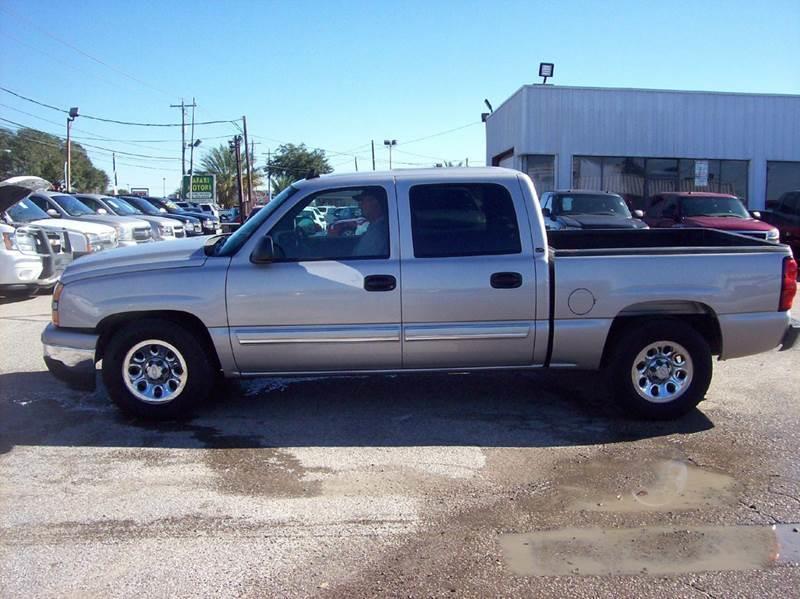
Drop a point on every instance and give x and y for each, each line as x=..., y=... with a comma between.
x=469, y=219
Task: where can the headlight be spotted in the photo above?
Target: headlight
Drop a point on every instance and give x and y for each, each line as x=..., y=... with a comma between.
x=165, y=231
x=773, y=235
x=123, y=233
x=93, y=242
x=198, y=228
x=20, y=242
x=208, y=223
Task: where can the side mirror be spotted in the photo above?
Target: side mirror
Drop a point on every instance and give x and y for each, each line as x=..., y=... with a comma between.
x=53, y=212
x=755, y=214
x=546, y=212
x=264, y=252
x=638, y=213
x=102, y=211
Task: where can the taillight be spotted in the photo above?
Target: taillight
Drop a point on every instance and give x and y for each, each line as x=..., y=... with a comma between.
x=788, y=284
x=56, y=296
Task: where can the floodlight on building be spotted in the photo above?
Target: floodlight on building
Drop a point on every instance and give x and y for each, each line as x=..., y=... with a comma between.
x=545, y=71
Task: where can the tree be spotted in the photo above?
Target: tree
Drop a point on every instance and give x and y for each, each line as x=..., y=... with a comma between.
x=33, y=152
x=291, y=163
x=281, y=182
x=220, y=161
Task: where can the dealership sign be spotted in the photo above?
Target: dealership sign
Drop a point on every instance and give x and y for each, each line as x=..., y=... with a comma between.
x=701, y=173
x=204, y=188
x=140, y=191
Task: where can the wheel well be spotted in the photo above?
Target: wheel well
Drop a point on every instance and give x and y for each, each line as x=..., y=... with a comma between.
x=699, y=316
x=109, y=325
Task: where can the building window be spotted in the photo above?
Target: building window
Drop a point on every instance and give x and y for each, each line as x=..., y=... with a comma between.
x=781, y=177
x=541, y=169
x=638, y=179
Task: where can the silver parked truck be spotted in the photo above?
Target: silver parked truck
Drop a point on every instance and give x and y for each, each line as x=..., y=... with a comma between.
x=445, y=270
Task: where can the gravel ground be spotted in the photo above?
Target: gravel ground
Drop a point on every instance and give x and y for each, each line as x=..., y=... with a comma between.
x=498, y=484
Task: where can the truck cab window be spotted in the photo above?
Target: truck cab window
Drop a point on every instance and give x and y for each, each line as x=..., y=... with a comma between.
x=353, y=225
x=463, y=219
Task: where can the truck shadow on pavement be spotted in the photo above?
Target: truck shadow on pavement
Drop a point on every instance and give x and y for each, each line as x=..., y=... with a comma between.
x=497, y=409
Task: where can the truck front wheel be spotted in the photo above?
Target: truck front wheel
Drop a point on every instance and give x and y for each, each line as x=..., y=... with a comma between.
x=156, y=369
x=660, y=370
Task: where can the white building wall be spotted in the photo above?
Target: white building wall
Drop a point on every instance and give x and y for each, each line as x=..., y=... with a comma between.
x=574, y=121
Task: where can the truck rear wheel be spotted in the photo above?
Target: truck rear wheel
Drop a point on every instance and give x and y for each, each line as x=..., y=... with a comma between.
x=661, y=370
x=158, y=370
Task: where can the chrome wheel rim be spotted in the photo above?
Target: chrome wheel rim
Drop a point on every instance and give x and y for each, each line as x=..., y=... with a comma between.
x=154, y=371
x=662, y=371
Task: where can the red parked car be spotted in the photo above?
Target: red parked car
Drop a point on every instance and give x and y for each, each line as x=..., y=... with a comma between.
x=786, y=216
x=706, y=211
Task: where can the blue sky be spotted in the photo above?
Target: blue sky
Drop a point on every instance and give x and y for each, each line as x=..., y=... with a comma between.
x=337, y=74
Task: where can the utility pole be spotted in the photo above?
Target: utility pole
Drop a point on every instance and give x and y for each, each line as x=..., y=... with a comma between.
x=163, y=187
x=114, y=165
x=235, y=146
x=373, y=154
x=191, y=155
x=466, y=161
x=249, y=166
x=269, y=176
x=356, y=159
x=73, y=114
x=182, y=106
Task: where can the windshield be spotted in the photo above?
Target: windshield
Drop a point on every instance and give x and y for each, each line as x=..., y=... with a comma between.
x=144, y=206
x=585, y=203
x=243, y=233
x=121, y=207
x=73, y=206
x=714, y=206
x=25, y=211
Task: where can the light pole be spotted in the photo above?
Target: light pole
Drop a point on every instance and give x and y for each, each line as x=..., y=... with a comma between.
x=389, y=143
x=163, y=187
x=73, y=114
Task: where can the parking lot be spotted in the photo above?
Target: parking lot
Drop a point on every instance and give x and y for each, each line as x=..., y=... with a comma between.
x=493, y=484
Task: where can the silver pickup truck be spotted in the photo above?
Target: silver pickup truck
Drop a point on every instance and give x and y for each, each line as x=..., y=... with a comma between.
x=433, y=270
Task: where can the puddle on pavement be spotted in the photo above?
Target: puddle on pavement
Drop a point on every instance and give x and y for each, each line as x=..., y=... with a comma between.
x=661, y=485
x=650, y=551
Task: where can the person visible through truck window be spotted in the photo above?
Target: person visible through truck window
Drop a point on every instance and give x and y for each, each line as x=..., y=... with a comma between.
x=375, y=240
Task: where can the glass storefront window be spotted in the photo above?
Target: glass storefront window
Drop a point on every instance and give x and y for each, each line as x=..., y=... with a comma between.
x=637, y=179
x=541, y=169
x=781, y=177
x=733, y=178
x=661, y=175
x=689, y=179
x=587, y=173
x=625, y=176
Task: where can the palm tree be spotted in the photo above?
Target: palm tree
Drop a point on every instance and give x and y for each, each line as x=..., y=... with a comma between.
x=220, y=161
x=281, y=182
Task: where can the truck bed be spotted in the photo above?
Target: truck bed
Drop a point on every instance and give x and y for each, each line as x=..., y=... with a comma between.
x=616, y=242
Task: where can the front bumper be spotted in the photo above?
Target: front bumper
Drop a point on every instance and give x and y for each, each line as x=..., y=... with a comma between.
x=70, y=356
x=790, y=336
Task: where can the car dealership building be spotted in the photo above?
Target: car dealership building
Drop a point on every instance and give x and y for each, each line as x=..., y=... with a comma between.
x=640, y=142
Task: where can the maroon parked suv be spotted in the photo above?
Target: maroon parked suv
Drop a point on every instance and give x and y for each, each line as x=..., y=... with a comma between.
x=706, y=211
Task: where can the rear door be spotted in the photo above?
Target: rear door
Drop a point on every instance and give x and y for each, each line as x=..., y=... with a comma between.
x=468, y=274
x=331, y=301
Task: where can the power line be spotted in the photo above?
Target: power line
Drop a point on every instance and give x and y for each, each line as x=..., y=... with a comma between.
x=94, y=146
x=37, y=27
x=454, y=129
x=106, y=120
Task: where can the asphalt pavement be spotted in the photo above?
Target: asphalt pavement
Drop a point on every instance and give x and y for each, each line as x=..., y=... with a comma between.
x=469, y=485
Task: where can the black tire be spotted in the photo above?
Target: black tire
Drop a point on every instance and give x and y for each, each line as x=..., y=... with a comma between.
x=200, y=370
x=636, y=339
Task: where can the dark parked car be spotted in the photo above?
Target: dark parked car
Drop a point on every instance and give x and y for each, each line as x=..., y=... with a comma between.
x=209, y=223
x=577, y=209
x=786, y=216
x=192, y=224
x=706, y=211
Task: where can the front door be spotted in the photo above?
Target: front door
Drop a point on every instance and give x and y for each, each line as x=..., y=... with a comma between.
x=468, y=274
x=331, y=299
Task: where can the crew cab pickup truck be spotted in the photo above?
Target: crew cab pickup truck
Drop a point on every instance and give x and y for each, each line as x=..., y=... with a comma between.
x=455, y=272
